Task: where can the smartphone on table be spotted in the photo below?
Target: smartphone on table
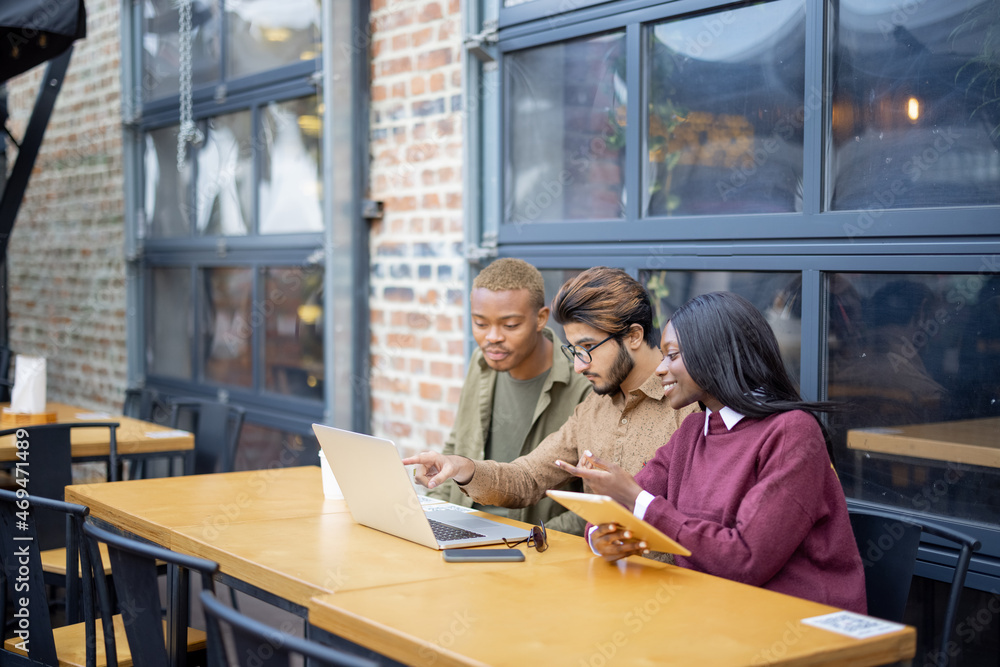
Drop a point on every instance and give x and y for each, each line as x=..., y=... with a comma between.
x=483, y=555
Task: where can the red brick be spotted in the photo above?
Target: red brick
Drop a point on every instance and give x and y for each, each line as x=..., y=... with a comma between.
x=416, y=366
x=431, y=201
x=399, y=90
x=422, y=36
x=400, y=42
x=433, y=438
x=441, y=369
x=446, y=418
x=395, y=340
x=434, y=59
x=418, y=321
x=454, y=201
x=430, y=392
x=436, y=82
x=418, y=86
x=430, y=12
x=396, y=66
x=430, y=345
x=454, y=393
x=443, y=323
x=398, y=408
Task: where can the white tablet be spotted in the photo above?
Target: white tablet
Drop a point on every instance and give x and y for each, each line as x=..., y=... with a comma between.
x=603, y=509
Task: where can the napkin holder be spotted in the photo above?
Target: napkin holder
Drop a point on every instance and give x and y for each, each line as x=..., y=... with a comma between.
x=27, y=400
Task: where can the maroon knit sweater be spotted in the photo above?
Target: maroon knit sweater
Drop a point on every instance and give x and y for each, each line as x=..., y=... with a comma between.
x=759, y=504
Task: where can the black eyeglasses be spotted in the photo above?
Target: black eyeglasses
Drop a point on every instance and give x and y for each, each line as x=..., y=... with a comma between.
x=536, y=538
x=583, y=353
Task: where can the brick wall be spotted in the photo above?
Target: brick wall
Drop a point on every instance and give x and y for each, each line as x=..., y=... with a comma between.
x=417, y=273
x=65, y=259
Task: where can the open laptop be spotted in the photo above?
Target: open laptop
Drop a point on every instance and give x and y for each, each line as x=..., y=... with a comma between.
x=380, y=495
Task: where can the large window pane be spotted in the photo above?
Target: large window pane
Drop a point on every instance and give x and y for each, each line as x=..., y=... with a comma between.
x=224, y=190
x=170, y=326
x=226, y=322
x=161, y=51
x=264, y=448
x=567, y=108
x=166, y=190
x=291, y=189
x=916, y=109
x=777, y=295
x=914, y=359
x=293, y=348
x=264, y=34
x=725, y=112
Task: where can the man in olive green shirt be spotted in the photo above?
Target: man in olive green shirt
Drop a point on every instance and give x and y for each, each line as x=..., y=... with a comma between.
x=519, y=389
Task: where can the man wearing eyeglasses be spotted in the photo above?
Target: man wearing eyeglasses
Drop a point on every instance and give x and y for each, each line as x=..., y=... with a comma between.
x=608, y=320
x=519, y=389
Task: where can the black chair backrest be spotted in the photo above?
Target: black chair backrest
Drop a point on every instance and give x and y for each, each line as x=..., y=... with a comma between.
x=135, y=577
x=888, y=544
x=217, y=429
x=51, y=469
x=250, y=643
x=5, y=383
x=22, y=577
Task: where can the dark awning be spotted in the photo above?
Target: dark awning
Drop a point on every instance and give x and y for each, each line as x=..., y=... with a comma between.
x=34, y=31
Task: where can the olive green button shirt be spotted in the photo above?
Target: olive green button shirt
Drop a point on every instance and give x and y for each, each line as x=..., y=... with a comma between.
x=561, y=392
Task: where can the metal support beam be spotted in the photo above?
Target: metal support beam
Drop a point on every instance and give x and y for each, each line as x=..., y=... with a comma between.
x=10, y=202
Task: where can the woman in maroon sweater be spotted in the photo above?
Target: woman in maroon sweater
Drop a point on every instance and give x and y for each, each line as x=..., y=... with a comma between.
x=747, y=486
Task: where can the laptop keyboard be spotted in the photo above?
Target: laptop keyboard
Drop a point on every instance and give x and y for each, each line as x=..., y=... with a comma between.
x=445, y=533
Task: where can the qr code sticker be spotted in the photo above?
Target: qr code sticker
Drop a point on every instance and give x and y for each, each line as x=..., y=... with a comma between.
x=853, y=625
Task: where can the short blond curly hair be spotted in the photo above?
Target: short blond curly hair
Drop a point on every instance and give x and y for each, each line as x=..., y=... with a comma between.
x=509, y=273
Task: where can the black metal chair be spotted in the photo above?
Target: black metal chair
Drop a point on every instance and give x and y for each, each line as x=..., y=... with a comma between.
x=250, y=643
x=51, y=470
x=151, y=640
x=19, y=555
x=6, y=384
x=216, y=427
x=888, y=543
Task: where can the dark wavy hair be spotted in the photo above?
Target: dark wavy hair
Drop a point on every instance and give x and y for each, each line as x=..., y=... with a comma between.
x=730, y=351
x=609, y=300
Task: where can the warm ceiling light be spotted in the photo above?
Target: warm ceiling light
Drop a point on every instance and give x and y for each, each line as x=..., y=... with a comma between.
x=913, y=108
x=277, y=34
x=310, y=313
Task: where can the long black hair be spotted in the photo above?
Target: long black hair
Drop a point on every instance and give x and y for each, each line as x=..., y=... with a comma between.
x=730, y=351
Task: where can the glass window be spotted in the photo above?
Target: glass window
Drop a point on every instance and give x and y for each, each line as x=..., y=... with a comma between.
x=913, y=359
x=170, y=328
x=291, y=192
x=224, y=192
x=226, y=326
x=566, y=129
x=263, y=448
x=725, y=112
x=265, y=34
x=777, y=295
x=916, y=115
x=166, y=191
x=160, y=46
x=293, y=347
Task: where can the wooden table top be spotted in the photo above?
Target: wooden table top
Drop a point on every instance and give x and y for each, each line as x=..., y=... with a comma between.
x=589, y=613
x=274, y=530
x=133, y=436
x=972, y=441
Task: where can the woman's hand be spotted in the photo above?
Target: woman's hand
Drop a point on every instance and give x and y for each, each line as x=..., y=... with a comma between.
x=605, y=478
x=613, y=543
x=435, y=468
